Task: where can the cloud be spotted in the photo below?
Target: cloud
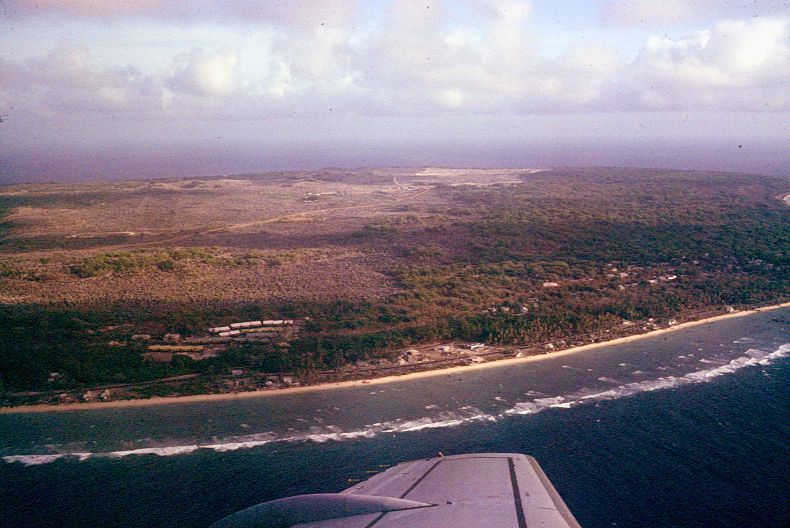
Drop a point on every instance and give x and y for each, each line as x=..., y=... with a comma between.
x=418, y=59
x=423, y=57
x=290, y=13
x=282, y=12
x=68, y=80
x=580, y=77
x=202, y=73
x=85, y=8
x=650, y=12
x=735, y=65
x=667, y=12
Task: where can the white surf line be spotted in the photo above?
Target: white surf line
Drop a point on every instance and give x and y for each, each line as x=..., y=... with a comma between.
x=465, y=415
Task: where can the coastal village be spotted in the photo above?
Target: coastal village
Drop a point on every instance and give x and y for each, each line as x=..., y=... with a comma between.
x=431, y=356
x=279, y=331
x=217, y=340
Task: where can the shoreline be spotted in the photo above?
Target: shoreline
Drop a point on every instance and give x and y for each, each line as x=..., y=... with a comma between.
x=200, y=398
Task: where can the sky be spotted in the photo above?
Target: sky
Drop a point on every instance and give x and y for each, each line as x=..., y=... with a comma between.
x=127, y=87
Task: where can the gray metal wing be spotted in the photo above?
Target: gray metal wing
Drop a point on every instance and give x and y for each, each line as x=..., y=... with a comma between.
x=497, y=490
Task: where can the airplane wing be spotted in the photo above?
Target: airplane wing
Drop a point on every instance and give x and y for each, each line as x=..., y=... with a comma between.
x=496, y=490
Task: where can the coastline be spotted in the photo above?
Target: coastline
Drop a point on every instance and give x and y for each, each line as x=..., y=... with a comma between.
x=199, y=398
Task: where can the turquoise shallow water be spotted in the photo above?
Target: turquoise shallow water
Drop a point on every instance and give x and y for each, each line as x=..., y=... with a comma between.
x=689, y=429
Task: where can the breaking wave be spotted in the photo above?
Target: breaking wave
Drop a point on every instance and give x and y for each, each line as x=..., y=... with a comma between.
x=465, y=415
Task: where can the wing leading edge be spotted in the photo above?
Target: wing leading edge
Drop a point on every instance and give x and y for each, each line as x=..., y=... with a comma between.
x=497, y=490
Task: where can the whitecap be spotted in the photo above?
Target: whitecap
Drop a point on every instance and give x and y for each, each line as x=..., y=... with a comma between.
x=465, y=415
x=159, y=451
x=32, y=460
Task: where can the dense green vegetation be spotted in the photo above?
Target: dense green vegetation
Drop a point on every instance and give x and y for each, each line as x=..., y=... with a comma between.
x=475, y=272
x=169, y=260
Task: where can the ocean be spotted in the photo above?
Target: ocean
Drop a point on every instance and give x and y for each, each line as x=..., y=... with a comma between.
x=76, y=164
x=689, y=428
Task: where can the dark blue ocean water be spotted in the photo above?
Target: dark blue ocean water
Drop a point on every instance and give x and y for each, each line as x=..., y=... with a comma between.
x=688, y=429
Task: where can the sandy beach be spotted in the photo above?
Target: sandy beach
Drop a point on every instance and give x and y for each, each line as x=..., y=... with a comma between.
x=377, y=381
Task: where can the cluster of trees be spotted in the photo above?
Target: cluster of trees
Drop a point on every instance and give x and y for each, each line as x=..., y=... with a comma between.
x=167, y=260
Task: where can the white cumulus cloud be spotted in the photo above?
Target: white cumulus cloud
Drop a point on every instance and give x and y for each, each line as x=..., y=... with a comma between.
x=207, y=73
x=735, y=65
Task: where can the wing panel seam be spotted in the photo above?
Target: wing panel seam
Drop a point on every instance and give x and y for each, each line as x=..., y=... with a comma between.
x=409, y=490
x=522, y=521
x=417, y=482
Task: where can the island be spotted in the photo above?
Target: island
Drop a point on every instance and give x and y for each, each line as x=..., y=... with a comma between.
x=259, y=283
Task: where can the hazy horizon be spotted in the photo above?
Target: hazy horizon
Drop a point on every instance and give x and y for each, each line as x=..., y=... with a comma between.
x=122, y=163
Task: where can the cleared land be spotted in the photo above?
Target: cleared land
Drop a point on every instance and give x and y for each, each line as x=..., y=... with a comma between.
x=367, y=263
